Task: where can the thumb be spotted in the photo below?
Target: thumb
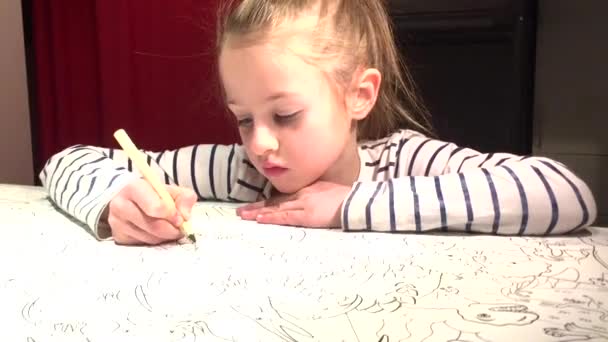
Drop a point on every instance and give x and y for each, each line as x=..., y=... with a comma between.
x=184, y=200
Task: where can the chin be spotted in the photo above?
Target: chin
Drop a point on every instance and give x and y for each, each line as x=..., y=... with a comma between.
x=287, y=187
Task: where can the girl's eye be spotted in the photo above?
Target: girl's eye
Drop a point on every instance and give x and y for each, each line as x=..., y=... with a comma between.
x=283, y=119
x=246, y=122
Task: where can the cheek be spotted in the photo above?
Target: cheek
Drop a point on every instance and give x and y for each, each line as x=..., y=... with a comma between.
x=246, y=143
x=313, y=148
x=245, y=137
x=324, y=135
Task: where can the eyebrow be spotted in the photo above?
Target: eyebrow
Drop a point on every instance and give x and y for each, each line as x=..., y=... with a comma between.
x=275, y=96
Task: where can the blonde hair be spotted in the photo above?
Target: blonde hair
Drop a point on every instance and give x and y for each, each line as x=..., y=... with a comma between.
x=356, y=31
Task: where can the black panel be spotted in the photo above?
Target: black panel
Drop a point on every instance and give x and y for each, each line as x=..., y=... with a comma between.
x=473, y=62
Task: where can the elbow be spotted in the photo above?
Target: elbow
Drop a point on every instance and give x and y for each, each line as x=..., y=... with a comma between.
x=575, y=200
x=51, y=164
x=588, y=199
x=582, y=214
x=590, y=204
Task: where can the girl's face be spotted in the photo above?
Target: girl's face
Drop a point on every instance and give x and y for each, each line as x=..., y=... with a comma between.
x=292, y=123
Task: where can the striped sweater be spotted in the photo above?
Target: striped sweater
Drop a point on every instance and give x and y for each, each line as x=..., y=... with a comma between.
x=407, y=183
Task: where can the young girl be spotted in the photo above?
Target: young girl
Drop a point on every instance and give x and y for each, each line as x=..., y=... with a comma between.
x=330, y=139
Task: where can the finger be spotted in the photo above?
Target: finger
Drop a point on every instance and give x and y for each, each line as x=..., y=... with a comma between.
x=282, y=206
x=119, y=237
x=127, y=233
x=250, y=206
x=250, y=211
x=160, y=228
x=146, y=198
x=141, y=235
x=251, y=214
x=248, y=215
x=117, y=225
x=184, y=200
x=287, y=217
x=274, y=200
x=123, y=239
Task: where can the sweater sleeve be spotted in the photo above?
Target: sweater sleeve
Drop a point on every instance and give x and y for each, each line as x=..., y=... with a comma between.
x=435, y=185
x=82, y=180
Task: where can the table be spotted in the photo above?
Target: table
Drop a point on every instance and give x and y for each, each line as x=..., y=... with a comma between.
x=248, y=282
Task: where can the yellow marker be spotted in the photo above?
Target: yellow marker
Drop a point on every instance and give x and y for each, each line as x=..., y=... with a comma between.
x=140, y=163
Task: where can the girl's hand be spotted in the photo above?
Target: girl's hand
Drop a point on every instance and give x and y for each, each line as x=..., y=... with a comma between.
x=137, y=215
x=317, y=205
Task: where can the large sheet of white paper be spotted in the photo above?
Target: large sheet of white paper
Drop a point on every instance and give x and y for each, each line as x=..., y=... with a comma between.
x=250, y=282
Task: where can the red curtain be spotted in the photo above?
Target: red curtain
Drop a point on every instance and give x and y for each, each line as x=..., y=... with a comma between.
x=146, y=66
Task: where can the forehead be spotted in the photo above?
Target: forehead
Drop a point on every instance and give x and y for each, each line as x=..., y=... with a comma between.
x=250, y=74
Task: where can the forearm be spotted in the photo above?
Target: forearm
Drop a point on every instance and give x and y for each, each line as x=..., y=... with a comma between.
x=534, y=198
x=81, y=180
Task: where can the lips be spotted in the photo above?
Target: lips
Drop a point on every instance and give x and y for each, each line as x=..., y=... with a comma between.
x=273, y=170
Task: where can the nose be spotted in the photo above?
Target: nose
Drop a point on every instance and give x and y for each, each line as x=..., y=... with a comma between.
x=263, y=141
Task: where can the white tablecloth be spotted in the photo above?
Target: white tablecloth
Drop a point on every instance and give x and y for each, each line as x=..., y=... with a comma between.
x=249, y=282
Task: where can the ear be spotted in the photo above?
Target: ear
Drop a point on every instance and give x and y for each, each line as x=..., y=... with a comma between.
x=364, y=92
